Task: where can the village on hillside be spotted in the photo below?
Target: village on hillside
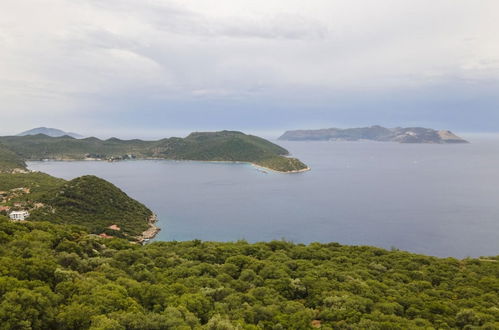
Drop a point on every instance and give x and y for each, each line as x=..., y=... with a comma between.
x=13, y=203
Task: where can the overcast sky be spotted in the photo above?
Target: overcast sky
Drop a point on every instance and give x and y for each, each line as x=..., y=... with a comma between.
x=154, y=68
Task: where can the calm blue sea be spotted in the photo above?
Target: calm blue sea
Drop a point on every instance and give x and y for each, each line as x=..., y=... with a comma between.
x=440, y=200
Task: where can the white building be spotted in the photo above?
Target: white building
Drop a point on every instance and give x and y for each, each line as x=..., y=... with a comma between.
x=19, y=215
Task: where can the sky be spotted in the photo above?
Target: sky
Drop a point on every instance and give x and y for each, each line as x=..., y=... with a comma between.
x=157, y=68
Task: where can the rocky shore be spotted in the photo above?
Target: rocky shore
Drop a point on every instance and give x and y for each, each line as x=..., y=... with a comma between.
x=151, y=232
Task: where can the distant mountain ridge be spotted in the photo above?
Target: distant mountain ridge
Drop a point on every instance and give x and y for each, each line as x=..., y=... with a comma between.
x=52, y=132
x=375, y=133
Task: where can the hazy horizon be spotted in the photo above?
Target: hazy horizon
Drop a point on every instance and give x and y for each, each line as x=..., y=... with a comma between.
x=267, y=134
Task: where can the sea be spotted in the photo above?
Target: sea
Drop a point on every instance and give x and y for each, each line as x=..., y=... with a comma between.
x=432, y=199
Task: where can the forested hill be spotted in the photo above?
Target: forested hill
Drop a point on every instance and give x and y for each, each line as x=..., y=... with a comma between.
x=87, y=201
x=207, y=146
x=95, y=204
x=59, y=277
x=9, y=160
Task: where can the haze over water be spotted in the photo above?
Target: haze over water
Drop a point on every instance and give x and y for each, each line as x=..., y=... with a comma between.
x=440, y=200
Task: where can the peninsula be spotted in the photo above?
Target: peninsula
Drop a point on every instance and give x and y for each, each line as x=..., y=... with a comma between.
x=375, y=133
x=89, y=202
x=202, y=146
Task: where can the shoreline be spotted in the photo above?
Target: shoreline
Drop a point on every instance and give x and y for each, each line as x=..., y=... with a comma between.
x=177, y=160
x=150, y=232
x=282, y=172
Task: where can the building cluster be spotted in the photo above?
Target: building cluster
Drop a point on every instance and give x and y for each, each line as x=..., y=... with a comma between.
x=13, y=209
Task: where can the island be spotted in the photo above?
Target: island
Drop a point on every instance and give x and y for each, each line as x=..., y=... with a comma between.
x=231, y=146
x=375, y=133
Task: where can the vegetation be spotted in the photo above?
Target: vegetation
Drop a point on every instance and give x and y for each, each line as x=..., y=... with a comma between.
x=59, y=277
x=9, y=160
x=283, y=164
x=86, y=201
x=95, y=204
x=40, y=185
x=213, y=146
x=37, y=181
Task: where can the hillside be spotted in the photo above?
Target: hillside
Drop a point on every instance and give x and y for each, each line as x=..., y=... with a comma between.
x=87, y=201
x=38, y=184
x=375, y=133
x=207, y=146
x=53, y=132
x=9, y=160
x=95, y=204
x=59, y=277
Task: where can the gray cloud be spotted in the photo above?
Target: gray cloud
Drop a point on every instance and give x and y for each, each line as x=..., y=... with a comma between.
x=70, y=59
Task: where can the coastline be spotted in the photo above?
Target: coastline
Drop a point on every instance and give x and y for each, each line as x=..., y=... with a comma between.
x=150, y=232
x=178, y=160
x=245, y=162
x=282, y=172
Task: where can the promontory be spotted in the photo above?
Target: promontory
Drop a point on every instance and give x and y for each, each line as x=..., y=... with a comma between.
x=202, y=146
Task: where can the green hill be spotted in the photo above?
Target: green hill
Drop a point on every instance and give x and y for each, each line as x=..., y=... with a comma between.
x=39, y=184
x=9, y=160
x=86, y=201
x=206, y=146
x=95, y=204
x=59, y=277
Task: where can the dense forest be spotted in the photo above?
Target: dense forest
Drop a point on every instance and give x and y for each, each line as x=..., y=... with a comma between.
x=204, y=146
x=60, y=277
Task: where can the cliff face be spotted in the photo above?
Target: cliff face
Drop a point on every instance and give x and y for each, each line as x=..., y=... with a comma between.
x=375, y=133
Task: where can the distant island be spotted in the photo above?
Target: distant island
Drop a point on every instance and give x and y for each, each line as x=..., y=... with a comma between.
x=53, y=132
x=375, y=133
x=201, y=146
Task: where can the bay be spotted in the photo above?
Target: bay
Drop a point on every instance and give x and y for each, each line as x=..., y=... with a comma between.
x=440, y=200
